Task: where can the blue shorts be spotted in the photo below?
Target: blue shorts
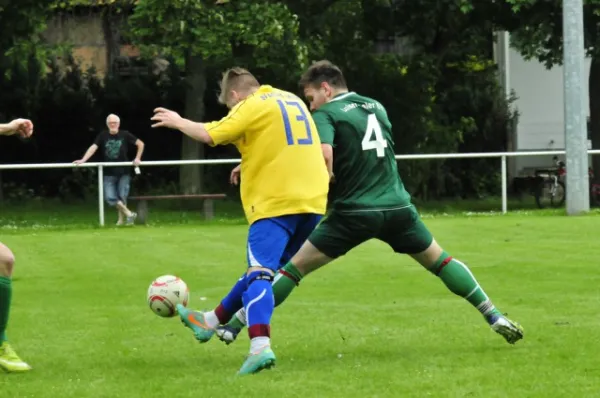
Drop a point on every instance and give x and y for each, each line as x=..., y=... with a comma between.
x=272, y=242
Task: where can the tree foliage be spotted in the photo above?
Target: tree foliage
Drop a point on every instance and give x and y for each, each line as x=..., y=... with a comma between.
x=249, y=32
x=428, y=62
x=540, y=32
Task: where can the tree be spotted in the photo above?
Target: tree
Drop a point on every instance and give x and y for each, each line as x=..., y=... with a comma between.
x=447, y=47
x=199, y=33
x=20, y=38
x=540, y=36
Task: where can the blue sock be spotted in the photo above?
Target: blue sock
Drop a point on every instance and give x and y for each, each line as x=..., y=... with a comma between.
x=259, y=304
x=232, y=302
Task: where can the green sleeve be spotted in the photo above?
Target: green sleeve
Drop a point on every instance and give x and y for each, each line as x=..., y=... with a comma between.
x=325, y=127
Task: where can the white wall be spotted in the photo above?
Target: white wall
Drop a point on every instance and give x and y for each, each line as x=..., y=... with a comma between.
x=540, y=105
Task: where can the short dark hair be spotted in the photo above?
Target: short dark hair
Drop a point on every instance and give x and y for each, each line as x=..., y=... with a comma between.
x=236, y=79
x=323, y=71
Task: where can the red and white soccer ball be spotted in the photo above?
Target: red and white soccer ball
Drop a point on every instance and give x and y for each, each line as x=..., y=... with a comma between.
x=165, y=292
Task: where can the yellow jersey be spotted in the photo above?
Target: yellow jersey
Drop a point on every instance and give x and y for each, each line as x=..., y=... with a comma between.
x=283, y=170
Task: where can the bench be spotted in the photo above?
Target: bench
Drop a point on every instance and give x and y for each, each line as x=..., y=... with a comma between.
x=208, y=205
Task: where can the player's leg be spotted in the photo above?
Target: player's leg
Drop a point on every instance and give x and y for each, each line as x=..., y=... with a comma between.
x=265, y=249
x=267, y=240
x=9, y=361
x=415, y=239
x=229, y=332
x=333, y=238
x=204, y=324
x=123, y=186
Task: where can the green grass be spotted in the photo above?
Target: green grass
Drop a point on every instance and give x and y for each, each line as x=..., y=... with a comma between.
x=41, y=214
x=372, y=324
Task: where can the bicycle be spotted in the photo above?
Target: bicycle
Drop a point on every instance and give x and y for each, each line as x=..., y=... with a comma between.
x=552, y=186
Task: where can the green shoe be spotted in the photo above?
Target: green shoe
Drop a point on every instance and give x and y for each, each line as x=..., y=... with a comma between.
x=10, y=361
x=195, y=321
x=256, y=362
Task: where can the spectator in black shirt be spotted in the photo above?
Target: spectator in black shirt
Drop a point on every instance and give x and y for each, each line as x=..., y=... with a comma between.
x=115, y=146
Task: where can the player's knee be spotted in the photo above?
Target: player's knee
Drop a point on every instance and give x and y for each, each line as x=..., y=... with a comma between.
x=7, y=261
x=259, y=273
x=430, y=257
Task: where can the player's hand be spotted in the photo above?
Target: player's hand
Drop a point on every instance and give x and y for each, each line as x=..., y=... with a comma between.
x=234, y=177
x=137, y=162
x=79, y=161
x=166, y=118
x=23, y=127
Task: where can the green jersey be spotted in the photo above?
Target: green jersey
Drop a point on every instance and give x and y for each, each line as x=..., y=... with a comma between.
x=365, y=169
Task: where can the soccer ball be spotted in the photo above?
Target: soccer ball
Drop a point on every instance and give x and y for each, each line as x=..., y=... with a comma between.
x=165, y=292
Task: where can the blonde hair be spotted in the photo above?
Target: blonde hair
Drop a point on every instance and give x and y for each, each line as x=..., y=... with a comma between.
x=236, y=79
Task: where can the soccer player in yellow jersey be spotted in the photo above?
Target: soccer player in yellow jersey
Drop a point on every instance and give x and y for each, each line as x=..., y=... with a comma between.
x=9, y=360
x=284, y=184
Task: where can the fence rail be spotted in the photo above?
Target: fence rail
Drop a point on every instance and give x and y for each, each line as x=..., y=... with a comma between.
x=100, y=166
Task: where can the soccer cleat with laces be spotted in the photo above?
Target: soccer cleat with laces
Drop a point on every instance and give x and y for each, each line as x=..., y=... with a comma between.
x=264, y=359
x=510, y=330
x=10, y=361
x=227, y=333
x=195, y=321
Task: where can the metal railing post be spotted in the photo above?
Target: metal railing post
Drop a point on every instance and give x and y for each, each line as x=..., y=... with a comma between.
x=101, y=194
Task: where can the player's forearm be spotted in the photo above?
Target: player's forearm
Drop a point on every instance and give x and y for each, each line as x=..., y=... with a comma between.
x=328, y=156
x=6, y=129
x=329, y=164
x=195, y=130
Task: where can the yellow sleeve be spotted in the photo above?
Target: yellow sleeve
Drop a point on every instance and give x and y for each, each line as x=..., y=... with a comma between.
x=232, y=127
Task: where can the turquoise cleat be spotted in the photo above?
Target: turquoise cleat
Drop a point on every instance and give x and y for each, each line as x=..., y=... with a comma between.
x=195, y=321
x=254, y=363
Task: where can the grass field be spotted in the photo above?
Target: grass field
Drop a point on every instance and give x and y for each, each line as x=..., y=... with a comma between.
x=372, y=324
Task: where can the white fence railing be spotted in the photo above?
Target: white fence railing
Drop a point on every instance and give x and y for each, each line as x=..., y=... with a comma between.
x=502, y=155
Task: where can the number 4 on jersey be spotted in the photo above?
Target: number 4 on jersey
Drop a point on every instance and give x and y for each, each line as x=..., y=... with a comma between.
x=379, y=143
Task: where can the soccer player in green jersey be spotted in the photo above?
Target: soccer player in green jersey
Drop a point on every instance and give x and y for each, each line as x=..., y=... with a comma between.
x=369, y=200
x=9, y=360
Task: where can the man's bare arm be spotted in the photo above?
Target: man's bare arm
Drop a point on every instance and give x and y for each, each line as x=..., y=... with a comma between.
x=23, y=127
x=88, y=154
x=171, y=119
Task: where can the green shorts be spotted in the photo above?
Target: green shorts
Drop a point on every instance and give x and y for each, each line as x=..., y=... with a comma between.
x=402, y=229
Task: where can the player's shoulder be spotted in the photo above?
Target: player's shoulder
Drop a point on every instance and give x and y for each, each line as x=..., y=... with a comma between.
x=267, y=92
x=363, y=99
x=340, y=104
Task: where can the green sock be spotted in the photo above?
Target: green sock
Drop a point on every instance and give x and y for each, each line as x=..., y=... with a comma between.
x=459, y=280
x=5, y=296
x=235, y=322
x=285, y=281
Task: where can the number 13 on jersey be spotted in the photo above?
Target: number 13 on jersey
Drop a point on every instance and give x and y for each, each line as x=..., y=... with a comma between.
x=285, y=108
x=374, y=129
